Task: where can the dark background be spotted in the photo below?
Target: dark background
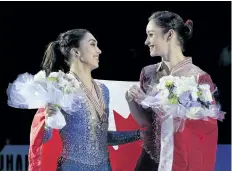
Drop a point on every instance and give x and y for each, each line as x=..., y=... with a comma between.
x=27, y=27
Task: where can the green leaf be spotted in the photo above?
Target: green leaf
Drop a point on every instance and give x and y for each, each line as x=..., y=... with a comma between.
x=173, y=99
x=52, y=79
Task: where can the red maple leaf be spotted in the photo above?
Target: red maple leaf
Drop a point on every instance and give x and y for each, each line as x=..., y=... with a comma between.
x=125, y=158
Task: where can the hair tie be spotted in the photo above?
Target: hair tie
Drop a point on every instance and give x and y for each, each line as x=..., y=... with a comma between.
x=188, y=22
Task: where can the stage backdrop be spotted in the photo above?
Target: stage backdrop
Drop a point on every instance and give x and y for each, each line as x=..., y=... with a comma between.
x=123, y=157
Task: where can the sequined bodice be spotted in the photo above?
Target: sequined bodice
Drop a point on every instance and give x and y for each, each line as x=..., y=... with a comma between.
x=84, y=136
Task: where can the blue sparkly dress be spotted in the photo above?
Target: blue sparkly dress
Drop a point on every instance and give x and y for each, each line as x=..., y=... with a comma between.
x=85, y=137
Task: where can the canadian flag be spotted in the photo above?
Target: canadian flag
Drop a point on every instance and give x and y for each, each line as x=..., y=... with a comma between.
x=122, y=158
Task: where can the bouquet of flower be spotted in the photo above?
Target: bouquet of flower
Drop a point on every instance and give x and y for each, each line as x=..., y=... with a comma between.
x=183, y=97
x=33, y=92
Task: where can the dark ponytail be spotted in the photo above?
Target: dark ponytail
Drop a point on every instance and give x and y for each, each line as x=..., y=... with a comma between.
x=53, y=58
x=57, y=54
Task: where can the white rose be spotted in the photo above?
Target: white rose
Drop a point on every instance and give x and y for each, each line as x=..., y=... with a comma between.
x=73, y=81
x=70, y=76
x=40, y=76
x=184, y=84
x=61, y=74
x=76, y=84
x=194, y=96
x=54, y=74
x=191, y=81
x=204, y=86
x=178, y=91
x=167, y=78
x=194, y=91
x=181, y=88
x=69, y=89
x=206, y=95
x=63, y=82
x=193, y=88
x=187, y=83
x=164, y=80
x=178, y=82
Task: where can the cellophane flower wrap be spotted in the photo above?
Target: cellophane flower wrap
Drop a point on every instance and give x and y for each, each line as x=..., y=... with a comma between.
x=37, y=91
x=183, y=98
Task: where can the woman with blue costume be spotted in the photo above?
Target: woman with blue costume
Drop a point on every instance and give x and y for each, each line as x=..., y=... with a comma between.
x=85, y=137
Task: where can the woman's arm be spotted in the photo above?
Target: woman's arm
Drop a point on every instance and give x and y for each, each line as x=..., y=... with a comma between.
x=138, y=113
x=122, y=137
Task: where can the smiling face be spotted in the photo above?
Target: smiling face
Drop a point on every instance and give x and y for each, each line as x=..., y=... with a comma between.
x=156, y=40
x=89, y=51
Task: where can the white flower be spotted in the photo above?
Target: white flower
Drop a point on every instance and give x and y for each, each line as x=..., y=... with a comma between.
x=67, y=83
x=73, y=80
x=204, y=86
x=177, y=91
x=191, y=113
x=54, y=74
x=70, y=76
x=206, y=95
x=178, y=82
x=181, y=88
x=69, y=89
x=61, y=73
x=184, y=84
x=62, y=82
x=164, y=80
x=193, y=89
x=188, y=82
x=191, y=81
x=40, y=76
x=76, y=84
x=194, y=96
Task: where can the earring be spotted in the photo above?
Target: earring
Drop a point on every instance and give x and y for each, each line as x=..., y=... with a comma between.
x=169, y=37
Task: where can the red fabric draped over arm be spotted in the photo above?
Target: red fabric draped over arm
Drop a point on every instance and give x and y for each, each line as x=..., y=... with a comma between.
x=42, y=155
